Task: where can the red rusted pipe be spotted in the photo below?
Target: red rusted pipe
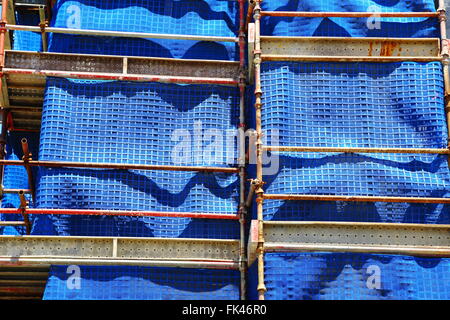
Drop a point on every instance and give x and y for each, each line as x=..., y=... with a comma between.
x=117, y=166
x=249, y=17
x=76, y=212
x=27, y=157
x=313, y=197
x=120, y=77
x=23, y=211
x=3, y=32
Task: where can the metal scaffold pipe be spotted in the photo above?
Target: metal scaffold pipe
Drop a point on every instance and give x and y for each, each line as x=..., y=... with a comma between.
x=23, y=207
x=131, y=213
x=259, y=151
x=242, y=159
x=358, y=150
x=304, y=14
x=318, y=197
x=118, y=166
x=123, y=34
x=27, y=158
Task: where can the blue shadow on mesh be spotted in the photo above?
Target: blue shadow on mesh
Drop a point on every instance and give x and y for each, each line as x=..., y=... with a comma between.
x=345, y=276
x=15, y=177
x=350, y=27
x=25, y=40
x=143, y=283
x=355, y=105
x=121, y=122
x=217, y=18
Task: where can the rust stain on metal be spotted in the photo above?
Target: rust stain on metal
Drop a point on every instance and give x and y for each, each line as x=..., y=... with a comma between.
x=388, y=48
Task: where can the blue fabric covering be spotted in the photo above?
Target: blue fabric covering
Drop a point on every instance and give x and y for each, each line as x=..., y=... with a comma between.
x=15, y=177
x=191, y=17
x=350, y=27
x=119, y=122
x=328, y=276
x=126, y=122
x=356, y=105
x=138, y=283
x=25, y=40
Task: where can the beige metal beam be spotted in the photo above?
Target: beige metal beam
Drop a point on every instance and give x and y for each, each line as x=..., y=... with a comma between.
x=183, y=253
x=381, y=238
x=349, y=49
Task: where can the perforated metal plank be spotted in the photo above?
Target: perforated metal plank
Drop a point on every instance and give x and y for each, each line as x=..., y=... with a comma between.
x=189, y=253
x=37, y=64
x=341, y=48
x=387, y=238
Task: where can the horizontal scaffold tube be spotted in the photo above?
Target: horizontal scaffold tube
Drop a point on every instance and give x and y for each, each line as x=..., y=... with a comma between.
x=118, y=166
x=170, y=252
x=124, y=34
x=122, y=213
x=349, y=14
x=358, y=150
x=317, y=197
x=123, y=77
x=275, y=57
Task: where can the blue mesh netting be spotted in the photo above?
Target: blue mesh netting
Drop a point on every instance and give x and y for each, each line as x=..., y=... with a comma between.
x=373, y=105
x=25, y=40
x=354, y=105
x=139, y=283
x=328, y=276
x=349, y=27
x=119, y=122
x=207, y=18
x=15, y=177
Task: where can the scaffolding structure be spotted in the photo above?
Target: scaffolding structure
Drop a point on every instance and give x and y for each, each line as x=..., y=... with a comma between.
x=23, y=79
x=407, y=239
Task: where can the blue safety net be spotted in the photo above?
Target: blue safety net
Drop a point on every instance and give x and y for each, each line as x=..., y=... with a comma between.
x=138, y=123
x=350, y=27
x=337, y=276
x=141, y=283
x=189, y=17
x=365, y=105
x=15, y=177
x=26, y=40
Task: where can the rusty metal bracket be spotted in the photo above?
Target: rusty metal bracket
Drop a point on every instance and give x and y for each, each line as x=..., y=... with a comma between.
x=23, y=208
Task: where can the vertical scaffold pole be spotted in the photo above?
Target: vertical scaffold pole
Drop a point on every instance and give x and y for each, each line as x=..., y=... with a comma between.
x=259, y=150
x=3, y=90
x=242, y=158
x=445, y=63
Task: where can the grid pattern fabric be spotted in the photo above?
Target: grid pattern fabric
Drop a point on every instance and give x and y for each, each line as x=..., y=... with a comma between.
x=143, y=283
x=213, y=18
x=350, y=27
x=15, y=177
x=120, y=122
x=331, y=276
x=140, y=123
x=25, y=40
x=356, y=105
